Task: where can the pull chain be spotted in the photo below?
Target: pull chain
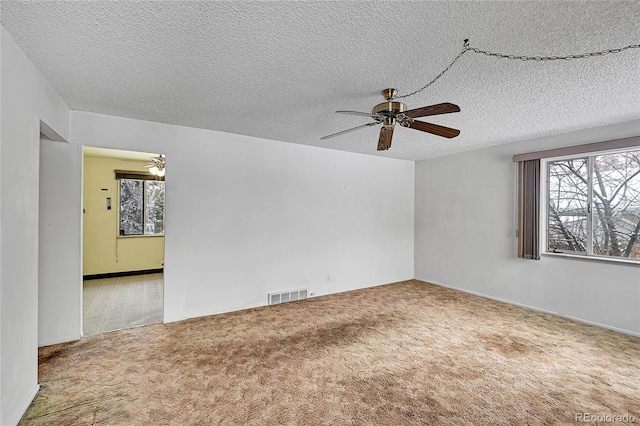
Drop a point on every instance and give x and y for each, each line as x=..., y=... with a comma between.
x=466, y=48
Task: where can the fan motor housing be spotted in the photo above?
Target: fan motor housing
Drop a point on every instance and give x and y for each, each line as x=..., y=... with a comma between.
x=389, y=109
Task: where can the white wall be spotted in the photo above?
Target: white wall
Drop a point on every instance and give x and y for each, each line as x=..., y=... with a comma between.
x=60, y=243
x=26, y=99
x=1, y=235
x=248, y=216
x=465, y=238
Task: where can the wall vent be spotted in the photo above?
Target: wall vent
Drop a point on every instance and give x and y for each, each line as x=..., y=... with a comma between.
x=287, y=296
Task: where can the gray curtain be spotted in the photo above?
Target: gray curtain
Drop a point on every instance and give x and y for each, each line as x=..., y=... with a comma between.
x=529, y=209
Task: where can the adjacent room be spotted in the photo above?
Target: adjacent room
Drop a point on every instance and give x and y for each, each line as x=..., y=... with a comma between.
x=123, y=239
x=319, y=212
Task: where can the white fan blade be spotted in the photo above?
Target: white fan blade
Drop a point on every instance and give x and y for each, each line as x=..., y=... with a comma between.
x=363, y=114
x=350, y=130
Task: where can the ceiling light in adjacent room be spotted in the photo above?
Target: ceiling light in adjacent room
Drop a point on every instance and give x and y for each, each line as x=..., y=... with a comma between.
x=156, y=166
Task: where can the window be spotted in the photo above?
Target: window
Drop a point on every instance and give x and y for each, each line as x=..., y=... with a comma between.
x=141, y=207
x=593, y=205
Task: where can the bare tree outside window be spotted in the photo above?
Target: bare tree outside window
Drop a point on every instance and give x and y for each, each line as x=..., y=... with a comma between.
x=568, y=204
x=154, y=207
x=141, y=207
x=131, y=207
x=594, y=205
x=616, y=197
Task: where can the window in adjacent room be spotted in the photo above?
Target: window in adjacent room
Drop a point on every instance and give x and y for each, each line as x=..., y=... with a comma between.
x=593, y=204
x=141, y=207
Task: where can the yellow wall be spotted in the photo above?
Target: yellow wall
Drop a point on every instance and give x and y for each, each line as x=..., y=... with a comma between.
x=104, y=251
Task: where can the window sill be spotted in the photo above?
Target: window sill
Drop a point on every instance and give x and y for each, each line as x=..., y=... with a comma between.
x=600, y=259
x=139, y=236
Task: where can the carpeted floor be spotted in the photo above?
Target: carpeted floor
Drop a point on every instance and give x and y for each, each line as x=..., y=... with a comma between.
x=408, y=353
x=122, y=302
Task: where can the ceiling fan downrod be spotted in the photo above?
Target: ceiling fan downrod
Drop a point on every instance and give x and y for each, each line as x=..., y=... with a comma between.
x=389, y=109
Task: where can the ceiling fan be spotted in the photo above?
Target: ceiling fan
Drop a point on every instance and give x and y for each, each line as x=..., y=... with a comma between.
x=156, y=165
x=392, y=112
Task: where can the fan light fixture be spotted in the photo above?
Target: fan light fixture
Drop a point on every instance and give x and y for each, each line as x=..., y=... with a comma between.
x=392, y=112
x=156, y=166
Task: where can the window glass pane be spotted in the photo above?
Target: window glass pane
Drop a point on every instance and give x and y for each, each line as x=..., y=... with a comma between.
x=131, y=202
x=616, y=199
x=568, y=205
x=154, y=207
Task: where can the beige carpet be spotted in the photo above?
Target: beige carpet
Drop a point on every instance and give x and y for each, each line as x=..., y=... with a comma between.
x=122, y=302
x=408, y=353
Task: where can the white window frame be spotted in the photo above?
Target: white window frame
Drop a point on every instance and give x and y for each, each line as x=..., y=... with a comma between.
x=544, y=202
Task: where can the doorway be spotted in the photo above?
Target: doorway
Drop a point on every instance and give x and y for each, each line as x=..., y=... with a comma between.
x=123, y=239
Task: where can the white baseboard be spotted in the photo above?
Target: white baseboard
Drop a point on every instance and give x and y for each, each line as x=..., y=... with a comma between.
x=533, y=308
x=60, y=340
x=313, y=292
x=20, y=413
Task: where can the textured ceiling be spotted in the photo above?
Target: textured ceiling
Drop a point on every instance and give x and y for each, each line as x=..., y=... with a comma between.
x=279, y=70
